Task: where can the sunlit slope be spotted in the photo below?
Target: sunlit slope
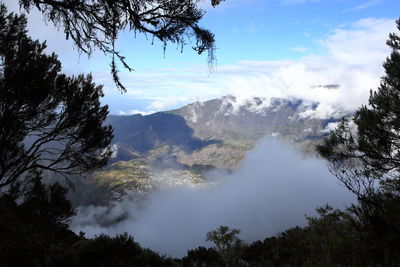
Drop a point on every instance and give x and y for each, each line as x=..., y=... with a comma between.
x=184, y=143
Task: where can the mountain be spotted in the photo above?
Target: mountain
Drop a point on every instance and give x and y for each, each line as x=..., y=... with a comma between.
x=206, y=135
x=218, y=132
x=239, y=124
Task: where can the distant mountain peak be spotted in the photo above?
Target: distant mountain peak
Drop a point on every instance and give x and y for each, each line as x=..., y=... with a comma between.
x=326, y=86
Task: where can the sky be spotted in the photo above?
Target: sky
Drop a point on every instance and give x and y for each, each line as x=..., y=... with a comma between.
x=265, y=48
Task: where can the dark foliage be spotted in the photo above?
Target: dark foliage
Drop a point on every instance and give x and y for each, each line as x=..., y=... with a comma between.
x=202, y=256
x=96, y=24
x=48, y=121
x=110, y=251
x=33, y=232
x=358, y=236
x=46, y=205
x=366, y=157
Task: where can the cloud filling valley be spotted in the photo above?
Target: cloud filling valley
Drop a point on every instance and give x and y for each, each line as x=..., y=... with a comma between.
x=272, y=190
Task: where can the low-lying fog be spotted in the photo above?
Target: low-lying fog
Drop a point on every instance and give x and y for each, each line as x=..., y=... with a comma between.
x=272, y=191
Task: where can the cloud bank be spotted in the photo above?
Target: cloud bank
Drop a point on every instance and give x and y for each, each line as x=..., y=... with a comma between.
x=351, y=57
x=272, y=191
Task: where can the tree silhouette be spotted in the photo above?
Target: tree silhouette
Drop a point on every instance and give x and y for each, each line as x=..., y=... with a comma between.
x=366, y=156
x=96, y=24
x=224, y=237
x=48, y=121
x=227, y=242
x=202, y=256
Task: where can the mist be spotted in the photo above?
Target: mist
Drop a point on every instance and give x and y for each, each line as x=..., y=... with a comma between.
x=272, y=190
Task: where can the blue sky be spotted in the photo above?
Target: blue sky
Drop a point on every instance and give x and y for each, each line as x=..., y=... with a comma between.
x=262, y=30
x=269, y=48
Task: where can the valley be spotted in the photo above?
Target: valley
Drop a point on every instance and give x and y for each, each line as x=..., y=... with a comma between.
x=178, y=147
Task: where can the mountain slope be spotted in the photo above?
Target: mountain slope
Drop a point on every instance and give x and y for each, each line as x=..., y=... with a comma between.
x=205, y=135
x=218, y=131
x=230, y=118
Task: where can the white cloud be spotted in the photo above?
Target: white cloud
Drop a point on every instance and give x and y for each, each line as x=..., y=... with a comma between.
x=163, y=103
x=364, y=5
x=323, y=111
x=330, y=127
x=352, y=59
x=300, y=49
x=136, y=111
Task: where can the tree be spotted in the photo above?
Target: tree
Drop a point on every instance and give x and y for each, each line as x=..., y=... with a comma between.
x=365, y=155
x=47, y=204
x=227, y=243
x=48, y=121
x=202, y=256
x=96, y=24
x=224, y=237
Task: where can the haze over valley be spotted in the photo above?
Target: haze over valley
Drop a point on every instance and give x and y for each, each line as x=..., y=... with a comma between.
x=176, y=174
x=205, y=136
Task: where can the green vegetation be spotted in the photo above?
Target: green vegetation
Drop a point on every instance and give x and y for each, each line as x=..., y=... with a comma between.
x=137, y=176
x=122, y=173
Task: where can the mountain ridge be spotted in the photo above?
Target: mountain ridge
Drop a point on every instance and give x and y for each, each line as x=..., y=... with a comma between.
x=215, y=134
x=219, y=122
